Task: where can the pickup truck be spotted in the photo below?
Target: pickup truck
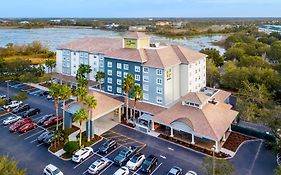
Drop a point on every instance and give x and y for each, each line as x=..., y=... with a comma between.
x=12, y=104
x=124, y=155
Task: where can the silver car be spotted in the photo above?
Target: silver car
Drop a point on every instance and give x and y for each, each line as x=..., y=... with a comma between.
x=98, y=166
x=11, y=120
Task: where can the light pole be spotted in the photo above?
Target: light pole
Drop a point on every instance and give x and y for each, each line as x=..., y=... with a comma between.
x=8, y=89
x=214, y=164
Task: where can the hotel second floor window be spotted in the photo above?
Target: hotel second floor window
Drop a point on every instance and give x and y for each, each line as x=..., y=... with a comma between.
x=119, y=74
x=159, y=90
x=159, y=100
x=109, y=64
x=159, y=71
x=169, y=74
x=119, y=90
x=145, y=87
x=119, y=82
x=126, y=67
x=137, y=68
x=119, y=66
x=159, y=81
x=109, y=80
x=137, y=77
x=145, y=70
x=145, y=96
x=101, y=64
x=145, y=78
x=125, y=74
x=109, y=72
x=109, y=88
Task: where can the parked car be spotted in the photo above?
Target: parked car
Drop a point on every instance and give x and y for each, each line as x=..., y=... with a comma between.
x=149, y=163
x=122, y=171
x=98, y=165
x=18, y=124
x=35, y=92
x=49, y=97
x=2, y=96
x=49, y=139
x=52, y=170
x=124, y=155
x=135, y=161
x=27, y=88
x=27, y=127
x=21, y=108
x=31, y=112
x=175, y=171
x=107, y=146
x=12, y=104
x=44, y=135
x=45, y=118
x=52, y=121
x=11, y=120
x=44, y=93
x=82, y=154
x=191, y=173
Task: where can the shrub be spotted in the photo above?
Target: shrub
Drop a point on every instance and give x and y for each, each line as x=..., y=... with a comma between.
x=21, y=96
x=71, y=146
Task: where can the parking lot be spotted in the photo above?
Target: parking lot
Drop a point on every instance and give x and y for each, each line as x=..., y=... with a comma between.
x=34, y=156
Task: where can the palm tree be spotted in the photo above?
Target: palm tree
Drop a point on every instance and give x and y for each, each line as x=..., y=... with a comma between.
x=137, y=94
x=50, y=64
x=9, y=166
x=127, y=85
x=91, y=103
x=100, y=75
x=80, y=117
x=55, y=93
x=65, y=94
x=83, y=74
x=81, y=93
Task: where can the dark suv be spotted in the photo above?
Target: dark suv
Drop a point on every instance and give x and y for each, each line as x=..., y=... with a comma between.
x=21, y=108
x=109, y=145
x=124, y=155
x=149, y=163
x=31, y=112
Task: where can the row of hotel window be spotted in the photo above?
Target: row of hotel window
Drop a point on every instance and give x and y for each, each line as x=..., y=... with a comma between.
x=145, y=95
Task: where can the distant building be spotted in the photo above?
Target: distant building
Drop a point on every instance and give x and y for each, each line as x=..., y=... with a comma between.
x=270, y=28
x=137, y=28
x=24, y=22
x=55, y=20
x=162, y=23
x=177, y=24
x=111, y=26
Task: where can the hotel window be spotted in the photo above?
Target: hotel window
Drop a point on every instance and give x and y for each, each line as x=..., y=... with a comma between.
x=109, y=88
x=101, y=64
x=159, y=81
x=145, y=96
x=145, y=78
x=159, y=71
x=159, y=100
x=145, y=70
x=137, y=68
x=109, y=72
x=119, y=90
x=109, y=64
x=119, y=82
x=137, y=77
x=169, y=74
x=95, y=63
x=126, y=67
x=119, y=66
x=159, y=90
x=125, y=74
x=137, y=84
x=145, y=87
x=74, y=53
x=109, y=80
x=119, y=74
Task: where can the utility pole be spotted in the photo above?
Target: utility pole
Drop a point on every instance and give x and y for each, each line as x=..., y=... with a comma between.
x=8, y=89
x=214, y=164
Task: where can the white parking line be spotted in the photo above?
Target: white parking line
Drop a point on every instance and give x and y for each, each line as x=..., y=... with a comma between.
x=111, y=163
x=112, y=151
x=84, y=161
x=33, y=141
x=163, y=157
x=5, y=114
x=136, y=171
x=39, y=144
x=156, y=169
x=28, y=132
x=33, y=135
x=171, y=149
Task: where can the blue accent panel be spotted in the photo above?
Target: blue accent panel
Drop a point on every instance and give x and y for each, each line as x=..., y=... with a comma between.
x=122, y=70
x=68, y=120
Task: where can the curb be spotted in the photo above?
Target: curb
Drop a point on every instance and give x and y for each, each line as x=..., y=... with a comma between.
x=57, y=156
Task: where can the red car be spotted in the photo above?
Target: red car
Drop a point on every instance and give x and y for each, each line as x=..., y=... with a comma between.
x=28, y=88
x=19, y=124
x=27, y=127
x=52, y=121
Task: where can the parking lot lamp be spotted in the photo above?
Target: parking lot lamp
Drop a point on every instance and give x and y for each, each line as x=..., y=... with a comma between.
x=8, y=89
x=214, y=163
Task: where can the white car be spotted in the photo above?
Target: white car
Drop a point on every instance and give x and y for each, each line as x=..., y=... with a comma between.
x=135, y=161
x=122, y=171
x=13, y=104
x=52, y=170
x=98, y=165
x=11, y=120
x=191, y=173
x=82, y=154
x=3, y=96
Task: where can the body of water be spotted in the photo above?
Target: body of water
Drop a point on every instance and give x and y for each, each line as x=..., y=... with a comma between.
x=53, y=37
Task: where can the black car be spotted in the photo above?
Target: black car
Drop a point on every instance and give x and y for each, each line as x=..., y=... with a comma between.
x=45, y=135
x=149, y=163
x=124, y=155
x=45, y=118
x=31, y=112
x=44, y=93
x=21, y=108
x=108, y=146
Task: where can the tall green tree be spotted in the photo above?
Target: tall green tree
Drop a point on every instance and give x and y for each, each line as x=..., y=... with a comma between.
x=55, y=92
x=65, y=94
x=99, y=76
x=10, y=167
x=80, y=117
x=81, y=93
x=137, y=95
x=222, y=167
x=127, y=85
x=91, y=103
x=214, y=55
x=82, y=74
x=213, y=73
x=51, y=64
x=278, y=170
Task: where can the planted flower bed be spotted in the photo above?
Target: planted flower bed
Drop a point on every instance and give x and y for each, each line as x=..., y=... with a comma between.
x=234, y=140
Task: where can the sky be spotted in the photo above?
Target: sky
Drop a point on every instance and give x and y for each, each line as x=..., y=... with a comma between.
x=139, y=8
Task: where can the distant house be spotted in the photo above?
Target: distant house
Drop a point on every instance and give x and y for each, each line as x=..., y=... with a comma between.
x=24, y=22
x=162, y=23
x=112, y=25
x=177, y=24
x=55, y=20
x=137, y=28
